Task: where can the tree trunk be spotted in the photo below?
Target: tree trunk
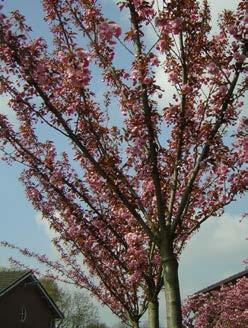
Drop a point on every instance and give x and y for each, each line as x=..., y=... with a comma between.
x=133, y=323
x=171, y=286
x=153, y=314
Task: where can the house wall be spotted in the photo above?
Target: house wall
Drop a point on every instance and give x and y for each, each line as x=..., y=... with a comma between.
x=39, y=314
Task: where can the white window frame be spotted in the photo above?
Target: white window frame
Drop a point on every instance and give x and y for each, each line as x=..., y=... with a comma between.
x=23, y=313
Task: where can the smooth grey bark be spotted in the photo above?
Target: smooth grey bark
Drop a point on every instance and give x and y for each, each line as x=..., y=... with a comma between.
x=171, y=286
x=153, y=313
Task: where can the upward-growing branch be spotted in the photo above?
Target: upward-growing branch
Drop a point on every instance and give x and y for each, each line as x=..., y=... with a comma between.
x=181, y=127
x=205, y=149
x=153, y=146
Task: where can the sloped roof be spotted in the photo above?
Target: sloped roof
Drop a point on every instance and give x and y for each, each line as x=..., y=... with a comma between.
x=10, y=279
x=7, y=278
x=231, y=279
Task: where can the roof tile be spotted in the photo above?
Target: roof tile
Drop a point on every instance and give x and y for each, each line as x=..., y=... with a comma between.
x=7, y=278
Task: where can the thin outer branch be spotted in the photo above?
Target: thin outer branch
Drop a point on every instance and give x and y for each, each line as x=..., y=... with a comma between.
x=113, y=165
x=101, y=171
x=58, y=191
x=118, y=83
x=205, y=151
x=199, y=223
x=87, y=154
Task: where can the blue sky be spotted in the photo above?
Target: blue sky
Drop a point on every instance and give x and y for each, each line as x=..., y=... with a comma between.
x=215, y=252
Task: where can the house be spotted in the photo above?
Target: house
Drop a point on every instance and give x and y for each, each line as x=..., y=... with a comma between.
x=24, y=303
x=230, y=280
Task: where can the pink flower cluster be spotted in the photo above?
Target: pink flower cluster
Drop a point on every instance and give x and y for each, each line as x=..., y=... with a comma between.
x=243, y=146
x=212, y=68
x=109, y=30
x=227, y=307
x=145, y=9
x=242, y=140
x=170, y=26
x=176, y=25
x=239, y=31
x=76, y=72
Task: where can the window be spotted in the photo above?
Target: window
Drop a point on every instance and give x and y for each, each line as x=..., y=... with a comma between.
x=23, y=314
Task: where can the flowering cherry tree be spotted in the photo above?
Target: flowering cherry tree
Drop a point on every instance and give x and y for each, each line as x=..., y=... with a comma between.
x=226, y=307
x=132, y=192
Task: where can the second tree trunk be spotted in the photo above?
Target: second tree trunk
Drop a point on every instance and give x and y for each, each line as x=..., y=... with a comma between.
x=153, y=313
x=171, y=287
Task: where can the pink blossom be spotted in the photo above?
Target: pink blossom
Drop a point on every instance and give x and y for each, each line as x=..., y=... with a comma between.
x=243, y=144
x=185, y=88
x=134, y=278
x=223, y=90
x=154, y=61
x=233, y=29
x=212, y=68
x=70, y=72
x=109, y=30
x=242, y=125
x=173, y=78
x=222, y=169
x=176, y=25
x=162, y=44
x=226, y=307
x=148, y=80
x=131, y=238
x=239, y=57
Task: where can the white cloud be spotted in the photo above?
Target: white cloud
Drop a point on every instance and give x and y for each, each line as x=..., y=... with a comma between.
x=44, y=224
x=228, y=235
x=215, y=252
x=220, y=236
x=6, y=110
x=49, y=232
x=218, y=6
